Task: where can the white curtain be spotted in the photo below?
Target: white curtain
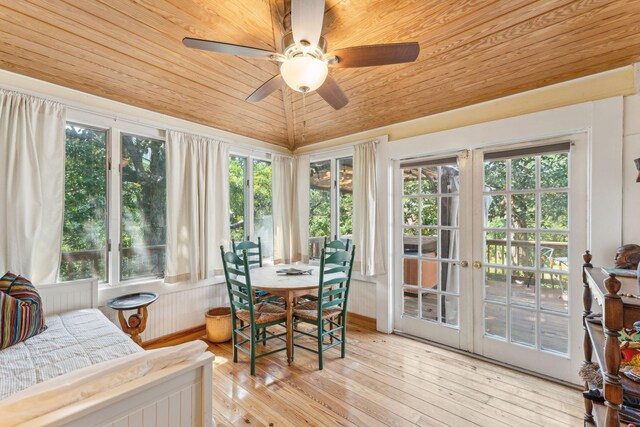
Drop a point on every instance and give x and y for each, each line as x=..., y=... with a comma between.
x=32, y=156
x=290, y=208
x=282, y=189
x=365, y=206
x=197, y=206
x=300, y=220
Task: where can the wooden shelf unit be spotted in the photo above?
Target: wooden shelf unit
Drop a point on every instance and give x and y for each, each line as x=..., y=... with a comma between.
x=601, y=338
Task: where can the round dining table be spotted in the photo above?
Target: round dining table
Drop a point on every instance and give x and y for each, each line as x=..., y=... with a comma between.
x=289, y=287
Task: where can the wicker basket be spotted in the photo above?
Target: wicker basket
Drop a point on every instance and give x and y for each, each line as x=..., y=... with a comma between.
x=219, y=324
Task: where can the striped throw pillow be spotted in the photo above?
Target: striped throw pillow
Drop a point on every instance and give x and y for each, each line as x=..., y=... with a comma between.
x=21, y=312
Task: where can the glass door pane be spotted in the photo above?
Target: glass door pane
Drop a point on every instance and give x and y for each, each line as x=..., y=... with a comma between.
x=526, y=246
x=431, y=242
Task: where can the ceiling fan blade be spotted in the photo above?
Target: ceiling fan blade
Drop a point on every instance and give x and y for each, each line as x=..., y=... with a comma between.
x=306, y=20
x=231, y=49
x=378, y=54
x=266, y=89
x=331, y=92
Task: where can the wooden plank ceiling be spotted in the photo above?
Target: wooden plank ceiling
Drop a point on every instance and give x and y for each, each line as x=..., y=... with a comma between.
x=471, y=51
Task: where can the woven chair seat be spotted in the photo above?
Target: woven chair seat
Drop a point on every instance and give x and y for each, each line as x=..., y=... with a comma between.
x=309, y=311
x=263, y=313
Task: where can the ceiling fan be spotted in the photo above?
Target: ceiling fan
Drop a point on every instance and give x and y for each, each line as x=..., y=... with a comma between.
x=304, y=61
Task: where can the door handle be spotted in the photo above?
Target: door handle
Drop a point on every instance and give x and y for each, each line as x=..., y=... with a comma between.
x=477, y=264
x=464, y=264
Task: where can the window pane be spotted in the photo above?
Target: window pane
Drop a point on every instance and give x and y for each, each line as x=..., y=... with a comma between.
x=554, y=170
x=430, y=180
x=523, y=210
x=410, y=241
x=262, y=206
x=495, y=211
x=430, y=211
x=430, y=306
x=523, y=173
x=523, y=249
x=495, y=175
x=495, y=284
x=449, y=310
x=411, y=211
x=449, y=179
x=345, y=197
x=237, y=168
x=84, y=238
x=143, y=208
x=554, y=333
x=495, y=320
x=410, y=181
x=523, y=287
x=410, y=302
x=319, y=206
x=496, y=247
x=523, y=326
x=554, y=211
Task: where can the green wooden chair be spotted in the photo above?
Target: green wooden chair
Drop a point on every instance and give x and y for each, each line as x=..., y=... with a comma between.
x=330, y=247
x=249, y=319
x=336, y=245
x=254, y=257
x=331, y=307
x=254, y=251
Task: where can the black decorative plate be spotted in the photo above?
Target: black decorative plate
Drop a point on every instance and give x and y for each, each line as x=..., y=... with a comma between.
x=132, y=301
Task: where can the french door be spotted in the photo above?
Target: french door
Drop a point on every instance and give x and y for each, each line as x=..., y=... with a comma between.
x=488, y=245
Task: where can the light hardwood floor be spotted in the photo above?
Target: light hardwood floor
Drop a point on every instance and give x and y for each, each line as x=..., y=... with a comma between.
x=385, y=380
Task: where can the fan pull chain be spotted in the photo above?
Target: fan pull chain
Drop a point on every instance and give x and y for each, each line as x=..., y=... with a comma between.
x=304, y=114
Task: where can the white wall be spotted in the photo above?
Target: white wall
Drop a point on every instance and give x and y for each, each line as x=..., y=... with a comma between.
x=631, y=189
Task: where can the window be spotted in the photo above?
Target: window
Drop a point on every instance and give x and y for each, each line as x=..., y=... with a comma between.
x=130, y=195
x=262, y=210
x=330, y=202
x=237, y=208
x=144, y=207
x=250, y=201
x=84, y=239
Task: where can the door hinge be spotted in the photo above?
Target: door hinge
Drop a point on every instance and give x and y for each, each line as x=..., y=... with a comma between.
x=109, y=245
x=247, y=183
x=109, y=164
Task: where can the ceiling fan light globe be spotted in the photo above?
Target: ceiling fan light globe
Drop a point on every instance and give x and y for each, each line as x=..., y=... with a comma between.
x=304, y=73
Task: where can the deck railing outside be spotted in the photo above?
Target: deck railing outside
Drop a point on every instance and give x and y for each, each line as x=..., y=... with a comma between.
x=147, y=261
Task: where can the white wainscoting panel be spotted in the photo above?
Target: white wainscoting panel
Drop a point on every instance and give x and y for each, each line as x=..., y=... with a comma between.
x=177, y=311
x=362, y=298
x=174, y=312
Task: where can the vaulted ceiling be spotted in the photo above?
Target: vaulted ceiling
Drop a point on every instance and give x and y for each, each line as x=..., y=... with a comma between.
x=471, y=51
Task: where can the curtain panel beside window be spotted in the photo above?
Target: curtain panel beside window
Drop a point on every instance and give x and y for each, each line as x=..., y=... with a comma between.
x=32, y=156
x=368, y=260
x=197, y=206
x=290, y=209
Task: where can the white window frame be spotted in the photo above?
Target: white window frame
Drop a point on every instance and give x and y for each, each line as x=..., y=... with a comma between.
x=249, y=215
x=335, y=195
x=115, y=130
